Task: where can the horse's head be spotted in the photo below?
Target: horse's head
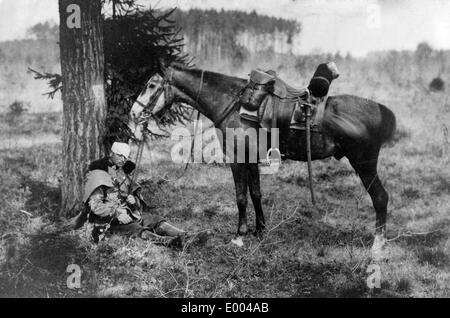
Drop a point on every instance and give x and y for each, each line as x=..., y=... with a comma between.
x=157, y=95
x=153, y=98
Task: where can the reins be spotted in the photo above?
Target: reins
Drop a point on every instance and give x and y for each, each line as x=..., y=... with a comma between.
x=141, y=144
x=140, y=151
x=198, y=119
x=225, y=114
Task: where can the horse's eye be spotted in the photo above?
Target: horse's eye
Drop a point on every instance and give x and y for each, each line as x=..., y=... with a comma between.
x=152, y=85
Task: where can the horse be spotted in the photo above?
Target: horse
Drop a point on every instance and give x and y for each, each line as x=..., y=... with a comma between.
x=353, y=127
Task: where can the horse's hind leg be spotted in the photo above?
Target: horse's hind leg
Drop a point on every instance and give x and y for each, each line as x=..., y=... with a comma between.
x=367, y=171
x=255, y=194
x=240, y=176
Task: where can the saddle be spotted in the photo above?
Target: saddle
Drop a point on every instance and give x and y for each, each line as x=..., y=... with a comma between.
x=297, y=112
x=272, y=103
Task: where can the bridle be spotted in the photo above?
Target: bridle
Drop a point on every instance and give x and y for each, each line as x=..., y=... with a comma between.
x=165, y=88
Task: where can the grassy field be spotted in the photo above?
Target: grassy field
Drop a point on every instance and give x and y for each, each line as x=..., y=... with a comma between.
x=307, y=251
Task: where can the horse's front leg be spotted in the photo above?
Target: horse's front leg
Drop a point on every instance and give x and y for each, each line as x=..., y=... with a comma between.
x=240, y=176
x=255, y=194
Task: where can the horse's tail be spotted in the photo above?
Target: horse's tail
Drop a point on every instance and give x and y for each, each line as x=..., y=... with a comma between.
x=359, y=119
x=389, y=124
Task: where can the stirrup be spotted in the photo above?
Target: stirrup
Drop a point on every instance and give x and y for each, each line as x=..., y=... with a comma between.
x=270, y=165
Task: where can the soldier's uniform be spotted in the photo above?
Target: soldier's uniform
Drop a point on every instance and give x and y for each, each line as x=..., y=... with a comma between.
x=106, y=191
x=113, y=201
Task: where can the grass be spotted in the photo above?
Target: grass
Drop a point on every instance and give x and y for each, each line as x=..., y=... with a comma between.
x=307, y=251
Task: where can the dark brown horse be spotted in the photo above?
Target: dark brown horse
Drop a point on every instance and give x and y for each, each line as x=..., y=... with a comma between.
x=353, y=127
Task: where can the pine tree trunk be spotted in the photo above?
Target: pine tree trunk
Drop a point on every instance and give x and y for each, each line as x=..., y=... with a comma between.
x=84, y=105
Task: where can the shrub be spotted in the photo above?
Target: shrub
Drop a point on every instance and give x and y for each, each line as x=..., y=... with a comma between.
x=17, y=109
x=437, y=85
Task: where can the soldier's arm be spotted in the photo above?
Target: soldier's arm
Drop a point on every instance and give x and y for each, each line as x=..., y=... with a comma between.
x=101, y=207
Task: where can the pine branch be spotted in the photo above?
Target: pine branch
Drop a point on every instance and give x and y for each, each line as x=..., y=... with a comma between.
x=54, y=81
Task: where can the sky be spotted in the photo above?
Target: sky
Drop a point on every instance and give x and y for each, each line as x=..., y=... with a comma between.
x=355, y=26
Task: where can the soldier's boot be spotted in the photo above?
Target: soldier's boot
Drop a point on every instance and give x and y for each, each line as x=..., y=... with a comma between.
x=97, y=231
x=166, y=229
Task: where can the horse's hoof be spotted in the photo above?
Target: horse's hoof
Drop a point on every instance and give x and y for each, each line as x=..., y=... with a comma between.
x=243, y=230
x=378, y=248
x=238, y=241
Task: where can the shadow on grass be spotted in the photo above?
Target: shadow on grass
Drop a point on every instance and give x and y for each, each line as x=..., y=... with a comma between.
x=44, y=199
x=436, y=257
x=40, y=269
x=319, y=281
x=322, y=234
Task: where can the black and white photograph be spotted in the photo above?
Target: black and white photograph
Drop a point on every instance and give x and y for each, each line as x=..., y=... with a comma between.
x=211, y=150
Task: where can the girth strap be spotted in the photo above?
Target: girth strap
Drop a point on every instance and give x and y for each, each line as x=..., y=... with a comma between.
x=275, y=111
x=318, y=118
x=229, y=108
x=276, y=104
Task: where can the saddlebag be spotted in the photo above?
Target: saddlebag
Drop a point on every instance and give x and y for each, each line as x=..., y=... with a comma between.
x=260, y=84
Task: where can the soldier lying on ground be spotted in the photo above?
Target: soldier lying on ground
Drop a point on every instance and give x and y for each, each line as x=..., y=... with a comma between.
x=113, y=201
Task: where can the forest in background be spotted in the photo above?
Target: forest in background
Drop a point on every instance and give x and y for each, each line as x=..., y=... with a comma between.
x=232, y=37
x=230, y=42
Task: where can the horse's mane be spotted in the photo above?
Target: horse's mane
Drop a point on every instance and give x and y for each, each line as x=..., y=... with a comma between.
x=211, y=77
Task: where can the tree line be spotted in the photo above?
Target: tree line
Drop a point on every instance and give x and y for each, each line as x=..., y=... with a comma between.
x=233, y=35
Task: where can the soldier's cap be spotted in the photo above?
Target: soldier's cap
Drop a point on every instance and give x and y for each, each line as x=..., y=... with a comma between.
x=120, y=148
